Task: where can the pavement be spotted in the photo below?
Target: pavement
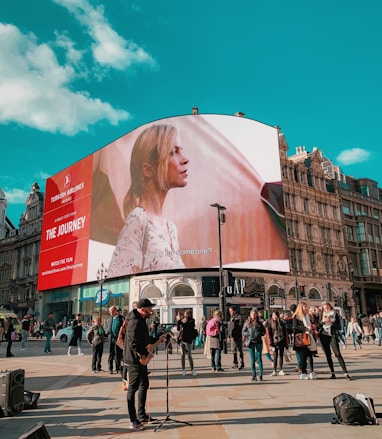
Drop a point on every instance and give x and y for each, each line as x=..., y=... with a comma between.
x=75, y=403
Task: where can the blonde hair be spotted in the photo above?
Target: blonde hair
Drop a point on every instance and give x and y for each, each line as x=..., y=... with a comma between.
x=299, y=313
x=152, y=147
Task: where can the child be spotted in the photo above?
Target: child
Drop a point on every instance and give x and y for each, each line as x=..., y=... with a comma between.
x=96, y=338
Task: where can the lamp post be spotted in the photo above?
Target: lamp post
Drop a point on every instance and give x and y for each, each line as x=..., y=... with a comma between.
x=221, y=220
x=101, y=277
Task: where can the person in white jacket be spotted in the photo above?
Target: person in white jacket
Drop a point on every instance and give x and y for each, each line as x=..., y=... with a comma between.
x=355, y=332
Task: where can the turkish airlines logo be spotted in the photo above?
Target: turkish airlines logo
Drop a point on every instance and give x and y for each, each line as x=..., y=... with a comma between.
x=67, y=180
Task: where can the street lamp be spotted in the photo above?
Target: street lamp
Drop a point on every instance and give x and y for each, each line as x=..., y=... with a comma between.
x=101, y=277
x=221, y=220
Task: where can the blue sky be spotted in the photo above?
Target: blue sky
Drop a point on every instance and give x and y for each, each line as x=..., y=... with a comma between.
x=77, y=74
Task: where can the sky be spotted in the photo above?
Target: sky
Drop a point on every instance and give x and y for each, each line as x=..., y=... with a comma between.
x=77, y=74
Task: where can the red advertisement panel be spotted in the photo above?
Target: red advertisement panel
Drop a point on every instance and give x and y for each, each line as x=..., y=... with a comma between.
x=66, y=227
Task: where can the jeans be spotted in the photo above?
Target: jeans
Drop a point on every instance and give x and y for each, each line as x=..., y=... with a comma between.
x=138, y=382
x=186, y=349
x=48, y=335
x=255, y=350
x=379, y=332
x=115, y=353
x=216, y=358
x=329, y=344
x=97, y=357
x=24, y=338
x=355, y=339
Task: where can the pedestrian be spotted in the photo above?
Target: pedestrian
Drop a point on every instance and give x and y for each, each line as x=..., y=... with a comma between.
x=37, y=329
x=49, y=325
x=137, y=356
x=202, y=330
x=25, y=328
x=187, y=334
x=278, y=340
x=367, y=328
x=235, y=328
x=113, y=325
x=329, y=326
x=2, y=330
x=253, y=331
x=378, y=327
x=303, y=325
x=9, y=330
x=215, y=333
x=96, y=337
x=76, y=335
x=355, y=332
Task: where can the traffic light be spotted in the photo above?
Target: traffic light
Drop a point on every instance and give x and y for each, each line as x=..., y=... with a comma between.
x=337, y=301
x=302, y=291
x=271, y=301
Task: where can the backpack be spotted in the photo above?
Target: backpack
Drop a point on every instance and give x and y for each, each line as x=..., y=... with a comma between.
x=349, y=410
x=212, y=328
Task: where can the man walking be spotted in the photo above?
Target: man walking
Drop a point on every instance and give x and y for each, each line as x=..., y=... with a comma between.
x=76, y=336
x=235, y=327
x=25, y=326
x=113, y=325
x=49, y=326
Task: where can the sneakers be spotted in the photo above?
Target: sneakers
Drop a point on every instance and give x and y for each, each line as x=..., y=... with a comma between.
x=147, y=419
x=281, y=372
x=235, y=366
x=184, y=373
x=253, y=378
x=260, y=377
x=304, y=376
x=136, y=425
x=348, y=377
x=80, y=353
x=241, y=367
x=220, y=370
x=273, y=374
x=193, y=373
x=313, y=376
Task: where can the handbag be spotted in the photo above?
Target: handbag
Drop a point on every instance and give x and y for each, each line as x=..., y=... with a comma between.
x=247, y=342
x=301, y=339
x=14, y=336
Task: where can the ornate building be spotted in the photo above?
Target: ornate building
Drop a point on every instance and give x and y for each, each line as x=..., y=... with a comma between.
x=19, y=255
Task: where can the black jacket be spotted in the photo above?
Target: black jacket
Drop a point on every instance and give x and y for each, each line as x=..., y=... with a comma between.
x=136, y=339
x=187, y=329
x=235, y=326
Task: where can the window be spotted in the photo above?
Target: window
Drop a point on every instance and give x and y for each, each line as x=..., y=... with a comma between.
x=358, y=209
x=349, y=233
x=364, y=190
x=308, y=232
x=360, y=231
x=312, y=261
x=346, y=207
x=335, y=212
x=365, y=262
x=375, y=214
x=306, y=205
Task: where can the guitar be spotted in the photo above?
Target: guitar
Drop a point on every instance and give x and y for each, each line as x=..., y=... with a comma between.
x=145, y=359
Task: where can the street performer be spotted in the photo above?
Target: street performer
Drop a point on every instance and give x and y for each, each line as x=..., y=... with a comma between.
x=137, y=353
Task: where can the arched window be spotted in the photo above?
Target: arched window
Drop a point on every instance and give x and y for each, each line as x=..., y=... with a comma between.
x=314, y=294
x=151, y=292
x=182, y=290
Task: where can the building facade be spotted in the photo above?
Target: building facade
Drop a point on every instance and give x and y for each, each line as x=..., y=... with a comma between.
x=333, y=228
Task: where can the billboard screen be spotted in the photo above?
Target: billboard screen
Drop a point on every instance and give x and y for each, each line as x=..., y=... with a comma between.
x=143, y=203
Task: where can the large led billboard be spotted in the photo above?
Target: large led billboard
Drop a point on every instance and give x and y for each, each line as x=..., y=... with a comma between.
x=143, y=203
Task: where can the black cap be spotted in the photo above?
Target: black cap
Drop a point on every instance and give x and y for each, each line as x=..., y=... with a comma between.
x=145, y=303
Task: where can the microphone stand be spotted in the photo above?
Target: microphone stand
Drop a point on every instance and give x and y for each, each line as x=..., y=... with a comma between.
x=167, y=418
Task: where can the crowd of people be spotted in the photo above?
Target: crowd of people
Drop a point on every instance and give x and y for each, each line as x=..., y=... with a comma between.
x=134, y=339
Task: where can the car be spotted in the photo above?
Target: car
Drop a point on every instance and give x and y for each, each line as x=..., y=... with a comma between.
x=65, y=334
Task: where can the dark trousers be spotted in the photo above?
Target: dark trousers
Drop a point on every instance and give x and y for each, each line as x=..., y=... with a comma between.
x=331, y=342
x=237, y=348
x=9, y=347
x=115, y=354
x=278, y=356
x=138, y=382
x=97, y=357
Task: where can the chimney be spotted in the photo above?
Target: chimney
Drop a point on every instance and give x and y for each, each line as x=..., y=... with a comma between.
x=195, y=110
x=240, y=114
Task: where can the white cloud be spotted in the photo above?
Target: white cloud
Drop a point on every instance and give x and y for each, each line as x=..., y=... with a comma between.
x=34, y=87
x=16, y=196
x=109, y=48
x=352, y=156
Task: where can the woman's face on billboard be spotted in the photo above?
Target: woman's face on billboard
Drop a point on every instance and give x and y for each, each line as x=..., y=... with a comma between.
x=177, y=166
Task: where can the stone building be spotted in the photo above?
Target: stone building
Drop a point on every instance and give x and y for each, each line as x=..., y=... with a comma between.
x=19, y=255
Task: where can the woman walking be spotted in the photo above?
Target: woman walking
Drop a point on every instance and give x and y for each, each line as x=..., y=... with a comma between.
x=278, y=340
x=355, y=332
x=303, y=325
x=215, y=332
x=329, y=326
x=253, y=330
x=9, y=329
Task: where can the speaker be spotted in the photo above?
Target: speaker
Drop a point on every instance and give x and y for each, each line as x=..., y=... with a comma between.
x=11, y=392
x=37, y=432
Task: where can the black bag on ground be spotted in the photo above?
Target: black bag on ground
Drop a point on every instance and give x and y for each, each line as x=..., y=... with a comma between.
x=349, y=410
